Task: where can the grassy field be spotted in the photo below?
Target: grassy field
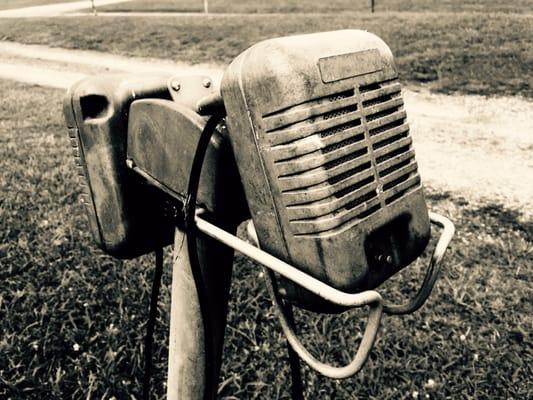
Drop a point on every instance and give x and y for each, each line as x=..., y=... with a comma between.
x=489, y=54
x=72, y=319
x=11, y=4
x=332, y=6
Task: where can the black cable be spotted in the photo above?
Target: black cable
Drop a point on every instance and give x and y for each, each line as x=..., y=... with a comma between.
x=150, y=325
x=294, y=362
x=190, y=213
x=297, y=391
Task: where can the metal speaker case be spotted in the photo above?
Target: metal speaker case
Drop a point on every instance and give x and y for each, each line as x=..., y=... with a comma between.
x=319, y=132
x=123, y=213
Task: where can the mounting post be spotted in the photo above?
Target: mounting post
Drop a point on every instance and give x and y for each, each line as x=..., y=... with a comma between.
x=188, y=377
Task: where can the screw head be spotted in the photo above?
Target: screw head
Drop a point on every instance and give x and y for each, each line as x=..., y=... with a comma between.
x=130, y=163
x=175, y=85
x=206, y=83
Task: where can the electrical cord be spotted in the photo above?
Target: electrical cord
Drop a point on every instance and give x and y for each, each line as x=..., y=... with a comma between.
x=192, y=247
x=297, y=391
x=150, y=325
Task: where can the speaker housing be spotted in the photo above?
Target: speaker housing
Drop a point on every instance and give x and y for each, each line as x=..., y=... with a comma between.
x=319, y=132
x=124, y=213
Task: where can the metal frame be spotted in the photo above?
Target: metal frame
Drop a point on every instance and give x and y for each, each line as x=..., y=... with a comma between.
x=369, y=298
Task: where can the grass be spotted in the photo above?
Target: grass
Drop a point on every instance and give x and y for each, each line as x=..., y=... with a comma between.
x=72, y=319
x=12, y=4
x=488, y=54
x=332, y=6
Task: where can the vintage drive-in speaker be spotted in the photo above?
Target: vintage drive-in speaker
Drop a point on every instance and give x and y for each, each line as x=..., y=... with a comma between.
x=123, y=216
x=319, y=132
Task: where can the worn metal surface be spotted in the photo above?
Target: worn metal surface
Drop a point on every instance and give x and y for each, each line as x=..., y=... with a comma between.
x=96, y=112
x=320, y=136
x=187, y=363
x=162, y=141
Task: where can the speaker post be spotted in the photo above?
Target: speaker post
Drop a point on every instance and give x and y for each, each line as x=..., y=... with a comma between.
x=188, y=376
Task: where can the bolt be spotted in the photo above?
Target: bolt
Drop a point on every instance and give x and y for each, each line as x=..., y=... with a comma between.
x=206, y=83
x=130, y=163
x=175, y=85
x=389, y=260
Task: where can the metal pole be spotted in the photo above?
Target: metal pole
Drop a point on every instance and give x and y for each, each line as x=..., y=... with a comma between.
x=206, y=6
x=372, y=4
x=188, y=378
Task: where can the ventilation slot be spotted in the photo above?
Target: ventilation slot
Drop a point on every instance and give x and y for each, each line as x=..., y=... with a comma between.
x=340, y=145
x=311, y=111
x=348, y=157
x=333, y=180
x=368, y=212
x=414, y=183
x=352, y=188
x=340, y=128
x=390, y=140
x=381, y=114
x=393, y=153
x=361, y=200
x=396, y=167
x=395, y=182
x=310, y=103
x=369, y=88
x=338, y=113
x=386, y=127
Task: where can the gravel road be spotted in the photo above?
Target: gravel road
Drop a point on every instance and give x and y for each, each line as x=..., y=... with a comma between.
x=478, y=147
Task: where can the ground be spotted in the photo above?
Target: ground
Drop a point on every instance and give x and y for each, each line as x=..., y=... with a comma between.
x=469, y=53
x=83, y=335
x=72, y=319
x=13, y=4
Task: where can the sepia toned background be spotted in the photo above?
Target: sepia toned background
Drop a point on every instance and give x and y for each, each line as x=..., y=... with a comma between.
x=72, y=320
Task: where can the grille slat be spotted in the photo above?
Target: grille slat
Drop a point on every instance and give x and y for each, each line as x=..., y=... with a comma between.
x=391, y=162
x=393, y=88
x=320, y=175
x=320, y=192
x=401, y=188
x=330, y=160
x=316, y=159
x=377, y=140
x=316, y=226
x=381, y=153
x=390, y=178
x=379, y=125
x=332, y=204
x=288, y=118
x=374, y=110
x=301, y=131
x=312, y=143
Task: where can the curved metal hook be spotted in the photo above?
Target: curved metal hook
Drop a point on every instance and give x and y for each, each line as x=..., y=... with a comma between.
x=369, y=336
x=432, y=271
x=271, y=263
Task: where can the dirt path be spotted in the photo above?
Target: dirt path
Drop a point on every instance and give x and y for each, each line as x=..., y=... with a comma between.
x=480, y=148
x=54, y=10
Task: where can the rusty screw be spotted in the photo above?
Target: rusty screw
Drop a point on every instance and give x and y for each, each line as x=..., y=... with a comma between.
x=175, y=85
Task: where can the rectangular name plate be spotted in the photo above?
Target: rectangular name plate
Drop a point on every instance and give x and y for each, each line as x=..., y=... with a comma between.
x=348, y=65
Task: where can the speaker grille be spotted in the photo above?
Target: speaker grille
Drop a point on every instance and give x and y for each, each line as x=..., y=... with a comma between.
x=85, y=196
x=342, y=157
